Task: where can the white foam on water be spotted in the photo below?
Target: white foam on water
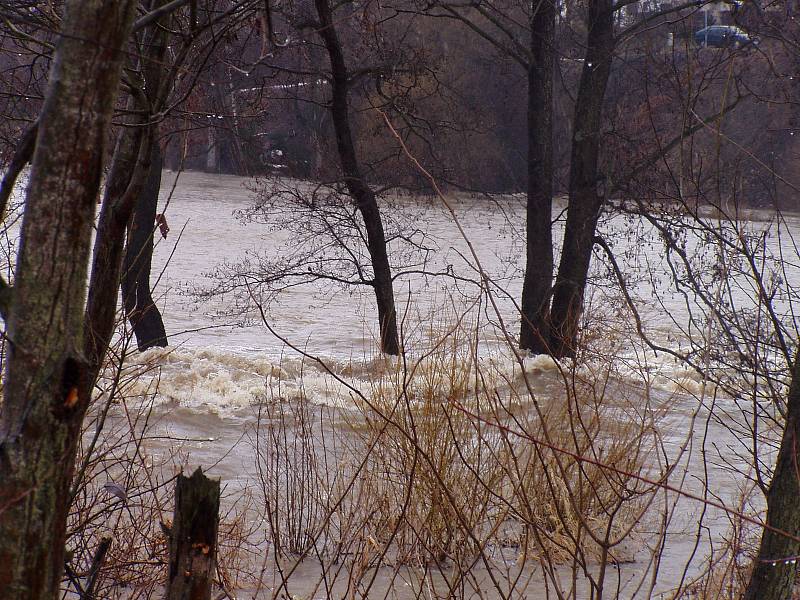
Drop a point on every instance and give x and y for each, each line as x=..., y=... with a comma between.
x=205, y=379
x=223, y=381
x=540, y=363
x=231, y=368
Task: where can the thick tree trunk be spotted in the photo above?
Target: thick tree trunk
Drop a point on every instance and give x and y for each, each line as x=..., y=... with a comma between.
x=125, y=184
x=141, y=311
x=363, y=196
x=775, y=569
x=538, y=280
x=585, y=200
x=47, y=388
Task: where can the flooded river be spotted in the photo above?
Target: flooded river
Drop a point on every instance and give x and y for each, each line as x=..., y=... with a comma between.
x=314, y=346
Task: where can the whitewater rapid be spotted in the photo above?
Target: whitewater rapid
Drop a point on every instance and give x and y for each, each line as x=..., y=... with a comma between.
x=220, y=362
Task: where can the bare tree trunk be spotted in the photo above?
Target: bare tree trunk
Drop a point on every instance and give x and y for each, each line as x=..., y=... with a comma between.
x=538, y=280
x=585, y=199
x=362, y=194
x=212, y=159
x=141, y=311
x=775, y=568
x=193, y=539
x=143, y=314
x=125, y=184
x=47, y=388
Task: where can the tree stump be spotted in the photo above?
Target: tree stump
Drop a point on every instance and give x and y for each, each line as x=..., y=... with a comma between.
x=193, y=539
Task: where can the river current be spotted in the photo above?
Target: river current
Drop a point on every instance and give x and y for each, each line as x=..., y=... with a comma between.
x=318, y=343
x=231, y=355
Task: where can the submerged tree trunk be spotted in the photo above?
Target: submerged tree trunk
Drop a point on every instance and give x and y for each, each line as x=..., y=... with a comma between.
x=125, y=183
x=538, y=280
x=585, y=198
x=362, y=194
x=775, y=568
x=193, y=538
x=47, y=387
x=141, y=311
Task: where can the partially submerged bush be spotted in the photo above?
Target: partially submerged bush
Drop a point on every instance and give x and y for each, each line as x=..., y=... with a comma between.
x=456, y=459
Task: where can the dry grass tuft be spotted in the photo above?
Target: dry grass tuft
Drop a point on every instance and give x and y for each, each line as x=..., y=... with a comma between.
x=453, y=460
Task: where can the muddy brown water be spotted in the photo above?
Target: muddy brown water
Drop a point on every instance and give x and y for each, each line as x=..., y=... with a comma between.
x=220, y=371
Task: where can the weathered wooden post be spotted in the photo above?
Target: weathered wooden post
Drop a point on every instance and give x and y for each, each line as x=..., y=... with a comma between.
x=193, y=539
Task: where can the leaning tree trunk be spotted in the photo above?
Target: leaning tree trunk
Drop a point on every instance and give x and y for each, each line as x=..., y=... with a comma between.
x=775, y=568
x=585, y=199
x=538, y=280
x=141, y=311
x=46, y=389
x=362, y=194
x=137, y=300
x=125, y=181
x=125, y=184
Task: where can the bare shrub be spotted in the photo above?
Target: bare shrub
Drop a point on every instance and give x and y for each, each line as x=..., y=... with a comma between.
x=461, y=458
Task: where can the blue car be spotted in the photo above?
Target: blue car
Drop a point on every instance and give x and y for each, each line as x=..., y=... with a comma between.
x=722, y=36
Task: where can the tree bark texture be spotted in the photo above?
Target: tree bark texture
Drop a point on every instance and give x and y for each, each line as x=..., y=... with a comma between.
x=775, y=569
x=538, y=279
x=193, y=540
x=585, y=199
x=361, y=193
x=141, y=311
x=125, y=184
x=47, y=389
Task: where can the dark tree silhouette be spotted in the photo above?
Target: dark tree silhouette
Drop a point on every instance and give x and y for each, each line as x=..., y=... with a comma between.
x=360, y=191
x=586, y=190
x=47, y=387
x=137, y=299
x=538, y=278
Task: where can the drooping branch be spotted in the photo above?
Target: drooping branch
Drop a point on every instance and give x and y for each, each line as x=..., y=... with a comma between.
x=156, y=14
x=22, y=156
